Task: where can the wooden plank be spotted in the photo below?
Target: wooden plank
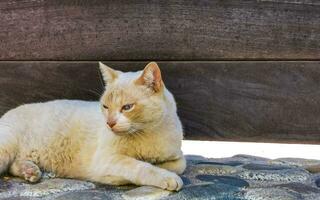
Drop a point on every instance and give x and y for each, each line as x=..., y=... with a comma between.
x=231, y=101
x=160, y=30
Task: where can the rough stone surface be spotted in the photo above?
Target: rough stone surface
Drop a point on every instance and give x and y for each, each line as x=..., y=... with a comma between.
x=145, y=192
x=318, y=182
x=241, y=177
x=312, y=166
x=48, y=187
x=228, y=180
x=270, y=194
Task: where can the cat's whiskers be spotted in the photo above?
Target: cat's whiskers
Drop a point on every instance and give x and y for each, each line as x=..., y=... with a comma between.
x=135, y=133
x=95, y=92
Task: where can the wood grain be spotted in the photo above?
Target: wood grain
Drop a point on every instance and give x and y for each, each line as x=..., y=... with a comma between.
x=160, y=30
x=236, y=101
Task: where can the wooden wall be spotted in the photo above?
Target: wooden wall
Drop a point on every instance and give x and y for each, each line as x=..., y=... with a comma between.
x=160, y=30
x=240, y=70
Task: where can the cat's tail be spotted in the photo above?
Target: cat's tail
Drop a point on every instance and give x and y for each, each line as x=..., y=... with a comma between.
x=8, y=144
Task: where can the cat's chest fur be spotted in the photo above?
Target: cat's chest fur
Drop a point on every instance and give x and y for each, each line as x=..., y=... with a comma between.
x=151, y=148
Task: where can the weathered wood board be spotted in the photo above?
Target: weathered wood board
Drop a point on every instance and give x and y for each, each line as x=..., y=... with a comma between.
x=238, y=101
x=160, y=30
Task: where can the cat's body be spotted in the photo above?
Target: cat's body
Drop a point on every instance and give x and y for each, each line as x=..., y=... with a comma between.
x=72, y=138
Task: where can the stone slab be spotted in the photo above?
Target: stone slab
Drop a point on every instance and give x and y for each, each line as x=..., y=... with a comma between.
x=241, y=177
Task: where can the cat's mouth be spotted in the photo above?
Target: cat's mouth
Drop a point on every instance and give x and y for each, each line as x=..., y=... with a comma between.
x=120, y=130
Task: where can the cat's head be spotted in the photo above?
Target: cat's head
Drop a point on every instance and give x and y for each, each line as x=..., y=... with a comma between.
x=133, y=101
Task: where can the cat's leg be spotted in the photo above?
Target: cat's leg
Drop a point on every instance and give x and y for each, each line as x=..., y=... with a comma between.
x=8, y=146
x=26, y=169
x=137, y=172
x=113, y=180
x=177, y=166
x=5, y=159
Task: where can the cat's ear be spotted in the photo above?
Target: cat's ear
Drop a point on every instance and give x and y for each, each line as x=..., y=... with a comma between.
x=108, y=74
x=151, y=77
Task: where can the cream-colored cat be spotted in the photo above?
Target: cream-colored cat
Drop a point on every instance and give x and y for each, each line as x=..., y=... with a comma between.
x=132, y=136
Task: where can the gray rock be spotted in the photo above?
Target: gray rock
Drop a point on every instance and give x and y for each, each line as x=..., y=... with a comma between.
x=300, y=188
x=312, y=166
x=44, y=188
x=229, y=163
x=278, y=176
x=249, y=158
x=299, y=162
x=317, y=181
x=85, y=195
x=18, y=198
x=186, y=180
x=192, y=159
x=256, y=166
x=228, y=180
x=271, y=194
x=210, y=169
x=145, y=192
x=207, y=191
x=5, y=185
x=195, y=158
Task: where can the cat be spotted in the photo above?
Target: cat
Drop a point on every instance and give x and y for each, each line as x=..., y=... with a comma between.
x=132, y=135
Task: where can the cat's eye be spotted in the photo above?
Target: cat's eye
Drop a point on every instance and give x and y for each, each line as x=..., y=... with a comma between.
x=127, y=107
x=105, y=107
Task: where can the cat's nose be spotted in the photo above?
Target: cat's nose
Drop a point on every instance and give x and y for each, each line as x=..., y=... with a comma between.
x=111, y=123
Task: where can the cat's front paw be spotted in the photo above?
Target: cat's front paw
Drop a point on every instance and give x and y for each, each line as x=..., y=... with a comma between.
x=171, y=182
x=31, y=172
